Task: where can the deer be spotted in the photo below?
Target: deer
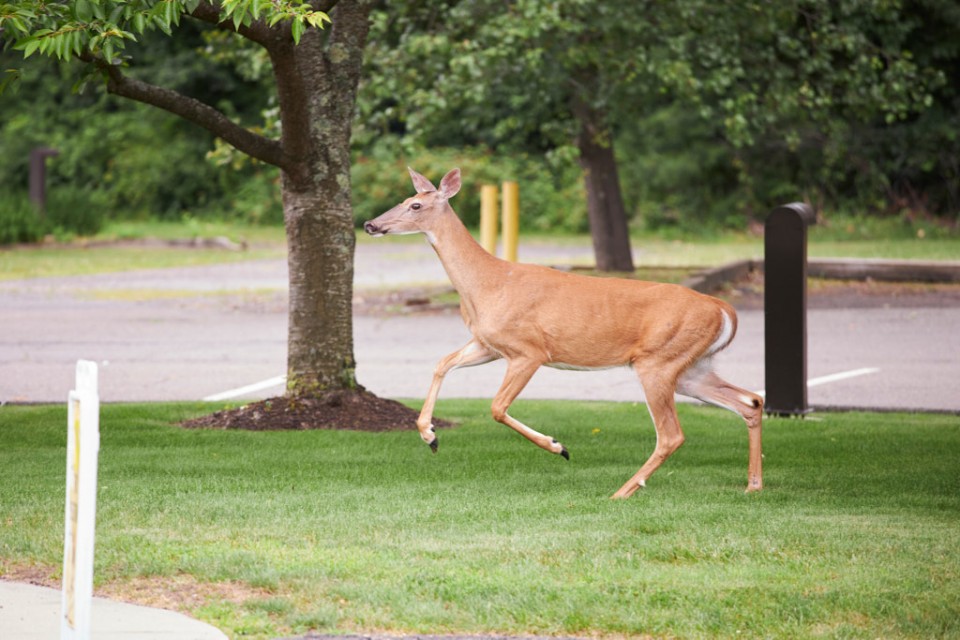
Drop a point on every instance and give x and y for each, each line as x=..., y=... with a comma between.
x=533, y=316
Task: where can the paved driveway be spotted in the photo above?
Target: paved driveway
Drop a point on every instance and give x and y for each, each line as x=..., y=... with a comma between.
x=192, y=333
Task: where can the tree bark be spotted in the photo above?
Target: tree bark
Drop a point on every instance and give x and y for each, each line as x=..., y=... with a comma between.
x=605, y=210
x=316, y=87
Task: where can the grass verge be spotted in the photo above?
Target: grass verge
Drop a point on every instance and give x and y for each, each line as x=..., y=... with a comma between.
x=121, y=246
x=856, y=534
x=116, y=248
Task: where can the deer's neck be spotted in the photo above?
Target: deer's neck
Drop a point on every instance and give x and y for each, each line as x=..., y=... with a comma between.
x=469, y=267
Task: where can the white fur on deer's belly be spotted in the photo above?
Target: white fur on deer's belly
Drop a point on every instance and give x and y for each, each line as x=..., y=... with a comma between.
x=577, y=367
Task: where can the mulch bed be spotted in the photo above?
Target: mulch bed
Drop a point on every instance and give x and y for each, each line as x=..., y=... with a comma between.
x=357, y=410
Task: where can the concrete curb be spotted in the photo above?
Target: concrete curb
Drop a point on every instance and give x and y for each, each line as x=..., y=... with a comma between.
x=884, y=270
x=710, y=280
x=837, y=269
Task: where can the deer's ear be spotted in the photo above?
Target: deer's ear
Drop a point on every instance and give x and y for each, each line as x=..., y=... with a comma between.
x=450, y=185
x=421, y=184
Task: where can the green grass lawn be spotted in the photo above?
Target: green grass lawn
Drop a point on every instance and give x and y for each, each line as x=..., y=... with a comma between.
x=112, y=251
x=857, y=533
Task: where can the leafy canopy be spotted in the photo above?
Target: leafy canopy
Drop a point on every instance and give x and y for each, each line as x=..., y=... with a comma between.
x=505, y=71
x=100, y=30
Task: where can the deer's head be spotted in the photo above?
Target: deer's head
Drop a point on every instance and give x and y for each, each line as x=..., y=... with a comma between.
x=417, y=213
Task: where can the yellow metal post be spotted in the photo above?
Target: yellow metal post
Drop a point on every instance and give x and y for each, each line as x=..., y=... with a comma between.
x=511, y=220
x=488, y=218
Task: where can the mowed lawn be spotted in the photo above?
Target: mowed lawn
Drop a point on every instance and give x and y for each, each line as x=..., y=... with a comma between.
x=857, y=533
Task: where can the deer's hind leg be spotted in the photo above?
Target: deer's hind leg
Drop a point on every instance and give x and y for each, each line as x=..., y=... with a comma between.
x=658, y=386
x=702, y=383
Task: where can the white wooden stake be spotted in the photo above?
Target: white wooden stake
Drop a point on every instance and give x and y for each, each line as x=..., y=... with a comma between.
x=83, y=447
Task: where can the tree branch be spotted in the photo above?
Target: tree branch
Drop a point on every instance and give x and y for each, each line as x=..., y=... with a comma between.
x=258, y=31
x=323, y=5
x=192, y=110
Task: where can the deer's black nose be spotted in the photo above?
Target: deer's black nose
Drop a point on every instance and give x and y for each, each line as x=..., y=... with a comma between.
x=371, y=228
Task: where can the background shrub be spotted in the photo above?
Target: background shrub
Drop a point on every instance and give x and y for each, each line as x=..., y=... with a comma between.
x=70, y=211
x=18, y=219
x=74, y=210
x=551, y=194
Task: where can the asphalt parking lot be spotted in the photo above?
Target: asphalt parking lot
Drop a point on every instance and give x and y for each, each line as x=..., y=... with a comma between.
x=220, y=332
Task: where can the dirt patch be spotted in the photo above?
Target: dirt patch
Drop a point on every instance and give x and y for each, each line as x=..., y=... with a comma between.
x=407, y=301
x=180, y=592
x=349, y=410
x=39, y=575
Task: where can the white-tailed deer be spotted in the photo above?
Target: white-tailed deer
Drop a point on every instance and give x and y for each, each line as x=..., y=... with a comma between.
x=532, y=316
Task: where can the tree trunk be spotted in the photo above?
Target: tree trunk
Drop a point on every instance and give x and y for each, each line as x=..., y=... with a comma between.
x=320, y=243
x=605, y=210
x=316, y=87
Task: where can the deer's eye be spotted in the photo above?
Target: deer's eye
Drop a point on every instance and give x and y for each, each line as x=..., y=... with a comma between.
x=415, y=206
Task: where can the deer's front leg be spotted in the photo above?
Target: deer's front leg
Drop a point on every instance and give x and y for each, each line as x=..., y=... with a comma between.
x=518, y=375
x=472, y=354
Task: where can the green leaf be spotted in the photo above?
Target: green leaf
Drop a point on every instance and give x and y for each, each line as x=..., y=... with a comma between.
x=296, y=30
x=162, y=25
x=317, y=19
x=30, y=46
x=17, y=24
x=76, y=42
x=83, y=10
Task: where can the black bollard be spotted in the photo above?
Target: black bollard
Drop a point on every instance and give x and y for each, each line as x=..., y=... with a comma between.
x=785, y=308
x=38, y=177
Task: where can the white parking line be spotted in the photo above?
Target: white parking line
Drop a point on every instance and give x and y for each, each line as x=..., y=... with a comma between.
x=250, y=388
x=280, y=380
x=833, y=377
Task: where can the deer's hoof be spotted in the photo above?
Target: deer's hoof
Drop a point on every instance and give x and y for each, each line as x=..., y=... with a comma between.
x=434, y=445
x=563, y=450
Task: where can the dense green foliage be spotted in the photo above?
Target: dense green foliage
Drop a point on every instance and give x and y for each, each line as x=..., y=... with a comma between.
x=551, y=198
x=141, y=161
x=716, y=114
x=855, y=535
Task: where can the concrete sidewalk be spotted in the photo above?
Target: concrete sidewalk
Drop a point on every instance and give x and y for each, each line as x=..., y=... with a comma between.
x=29, y=612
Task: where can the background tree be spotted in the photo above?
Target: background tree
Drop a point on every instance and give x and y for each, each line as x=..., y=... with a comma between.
x=528, y=75
x=316, y=74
